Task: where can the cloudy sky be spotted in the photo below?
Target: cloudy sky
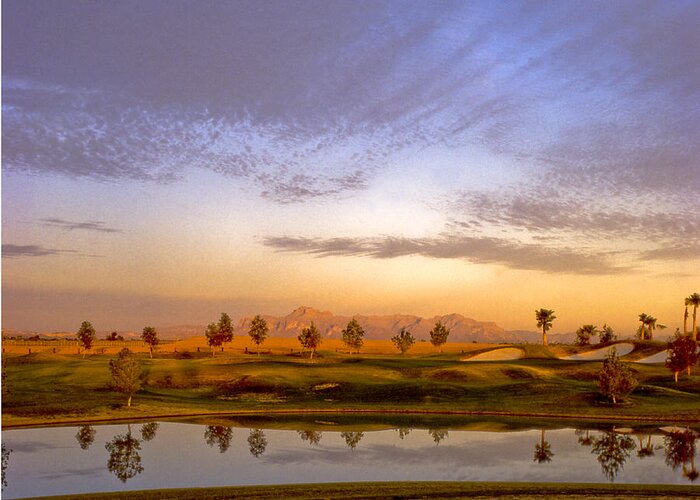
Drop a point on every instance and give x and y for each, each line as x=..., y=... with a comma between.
x=163, y=161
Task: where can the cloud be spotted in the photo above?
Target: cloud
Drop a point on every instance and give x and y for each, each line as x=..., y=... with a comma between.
x=335, y=92
x=98, y=226
x=11, y=251
x=582, y=214
x=478, y=250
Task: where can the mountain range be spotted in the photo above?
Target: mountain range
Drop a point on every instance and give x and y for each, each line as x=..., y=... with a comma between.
x=462, y=329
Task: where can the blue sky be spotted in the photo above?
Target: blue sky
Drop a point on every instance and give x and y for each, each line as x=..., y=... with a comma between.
x=423, y=157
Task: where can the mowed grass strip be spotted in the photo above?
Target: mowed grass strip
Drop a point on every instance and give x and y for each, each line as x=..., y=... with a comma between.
x=400, y=490
x=45, y=388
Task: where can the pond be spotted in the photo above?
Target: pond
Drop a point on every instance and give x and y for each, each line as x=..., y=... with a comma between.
x=222, y=452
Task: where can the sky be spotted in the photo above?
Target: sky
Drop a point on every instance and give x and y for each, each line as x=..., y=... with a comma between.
x=165, y=161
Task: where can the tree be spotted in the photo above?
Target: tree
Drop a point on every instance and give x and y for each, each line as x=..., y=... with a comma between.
x=694, y=300
x=584, y=334
x=615, y=379
x=651, y=326
x=150, y=337
x=310, y=338
x=257, y=442
x=258, y=331
x=613, y=450
x=439, y=334
x=218, y=435
x=403, y=340
x=641, y=332
x=126, y=373
x=85, y=436
x=543, y=450
x=353, y=335
x=682, y=355
x=685, y=315
x=86, y=336
x=545, y=318
x=219, y=333
x=606, y=335
x=124, y=458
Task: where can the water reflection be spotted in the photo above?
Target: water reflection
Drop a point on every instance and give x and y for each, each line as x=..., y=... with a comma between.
x=646, y=449
x=85, y=436
x=5, y=459
x=124, y=458
x=48, y=461
x=148, y=431
x=612, y=450
x=584, y=437
x=352, y=439
x=680, y=452
x=438, y=434
x=257, y=442
x=218, y=435
x=313, y=437
x=403, y=432
x=543, y=450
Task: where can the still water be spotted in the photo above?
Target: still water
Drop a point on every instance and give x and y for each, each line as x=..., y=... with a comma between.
x=81, y=459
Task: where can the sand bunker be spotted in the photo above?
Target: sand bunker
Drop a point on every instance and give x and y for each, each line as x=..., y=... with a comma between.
x=659, y=357
x=597, y=354
x=503, y=354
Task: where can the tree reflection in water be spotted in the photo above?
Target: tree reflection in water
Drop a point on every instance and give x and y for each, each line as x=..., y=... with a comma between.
x=124, y=458
x=543, y=451
x=85, y=436
x=352, y=439
x=438, y=434
x=403, y=432
x=218, y=435
x=584, y=437
x=5, y=459
x=313, y=437
x=257, y=442
x=680, y=452
x=148, y=431
x=645, y=449
x=612, y=450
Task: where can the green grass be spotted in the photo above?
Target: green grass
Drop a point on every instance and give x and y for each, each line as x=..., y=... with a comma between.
x=399, y=490
x=46, y=389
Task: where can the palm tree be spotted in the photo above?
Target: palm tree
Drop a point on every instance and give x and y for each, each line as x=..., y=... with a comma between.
x=651, y=325
x=685, y=316
x=643, y=320
x=545, y=318
x=694, y=300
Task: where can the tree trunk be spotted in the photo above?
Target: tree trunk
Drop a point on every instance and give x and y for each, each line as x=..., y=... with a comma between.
x=695, y=330
x=689, y=367
x=544, y=336
x=150, y=350
x=685, y=321
x=675, y=374
x=128, y=403
x=312, y=354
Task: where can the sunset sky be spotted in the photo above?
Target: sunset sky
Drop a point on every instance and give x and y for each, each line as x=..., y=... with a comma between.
x=165, y=161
